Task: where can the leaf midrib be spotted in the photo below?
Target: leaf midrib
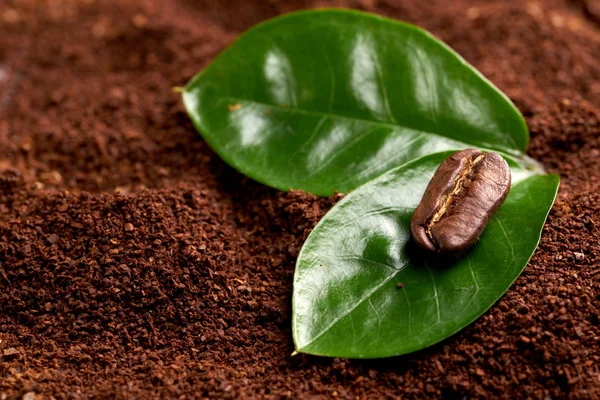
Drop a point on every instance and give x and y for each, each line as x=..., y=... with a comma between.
x=348, y=311
x=510, y=151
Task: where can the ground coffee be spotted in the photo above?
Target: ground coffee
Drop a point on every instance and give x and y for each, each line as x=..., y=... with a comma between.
x=136, y=264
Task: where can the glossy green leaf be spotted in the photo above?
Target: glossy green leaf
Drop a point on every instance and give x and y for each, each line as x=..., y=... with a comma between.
x=346, y=302
x=327, y=100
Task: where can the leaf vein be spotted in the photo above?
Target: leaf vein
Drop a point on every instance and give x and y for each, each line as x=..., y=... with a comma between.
x=331, y=80
x=378, y=320
x=512, y=250
x=436, y=295
x=349, y=310
x=345, y=146
x=310, y=139
x=361, y=258
x=383, y=87
x=409, y=311
x=356, y=119
x=367, y=171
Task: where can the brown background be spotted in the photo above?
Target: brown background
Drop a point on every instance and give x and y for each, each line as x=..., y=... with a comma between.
x=180, y=285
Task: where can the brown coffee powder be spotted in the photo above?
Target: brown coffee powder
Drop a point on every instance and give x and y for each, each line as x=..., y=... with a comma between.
x=135, y=264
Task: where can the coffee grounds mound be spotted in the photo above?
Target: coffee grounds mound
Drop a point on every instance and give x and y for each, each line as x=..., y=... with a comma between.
x=135, y=264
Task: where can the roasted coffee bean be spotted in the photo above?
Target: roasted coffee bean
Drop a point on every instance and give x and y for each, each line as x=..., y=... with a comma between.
x=465, y=192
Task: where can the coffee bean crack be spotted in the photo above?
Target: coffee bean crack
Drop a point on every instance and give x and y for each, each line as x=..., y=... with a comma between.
x=465, y=176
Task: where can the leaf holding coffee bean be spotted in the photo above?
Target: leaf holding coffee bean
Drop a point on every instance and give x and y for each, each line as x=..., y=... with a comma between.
x=347, y=301
x=327, y=100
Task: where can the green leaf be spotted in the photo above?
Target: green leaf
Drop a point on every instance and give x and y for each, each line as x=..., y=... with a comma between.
x=327, y=100
x=346, y=302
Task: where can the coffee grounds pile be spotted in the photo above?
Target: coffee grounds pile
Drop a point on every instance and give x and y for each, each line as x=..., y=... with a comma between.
x=135, y=264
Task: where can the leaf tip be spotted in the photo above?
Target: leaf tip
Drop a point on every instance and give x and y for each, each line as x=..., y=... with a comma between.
x=178, y=89
x=294, y=353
